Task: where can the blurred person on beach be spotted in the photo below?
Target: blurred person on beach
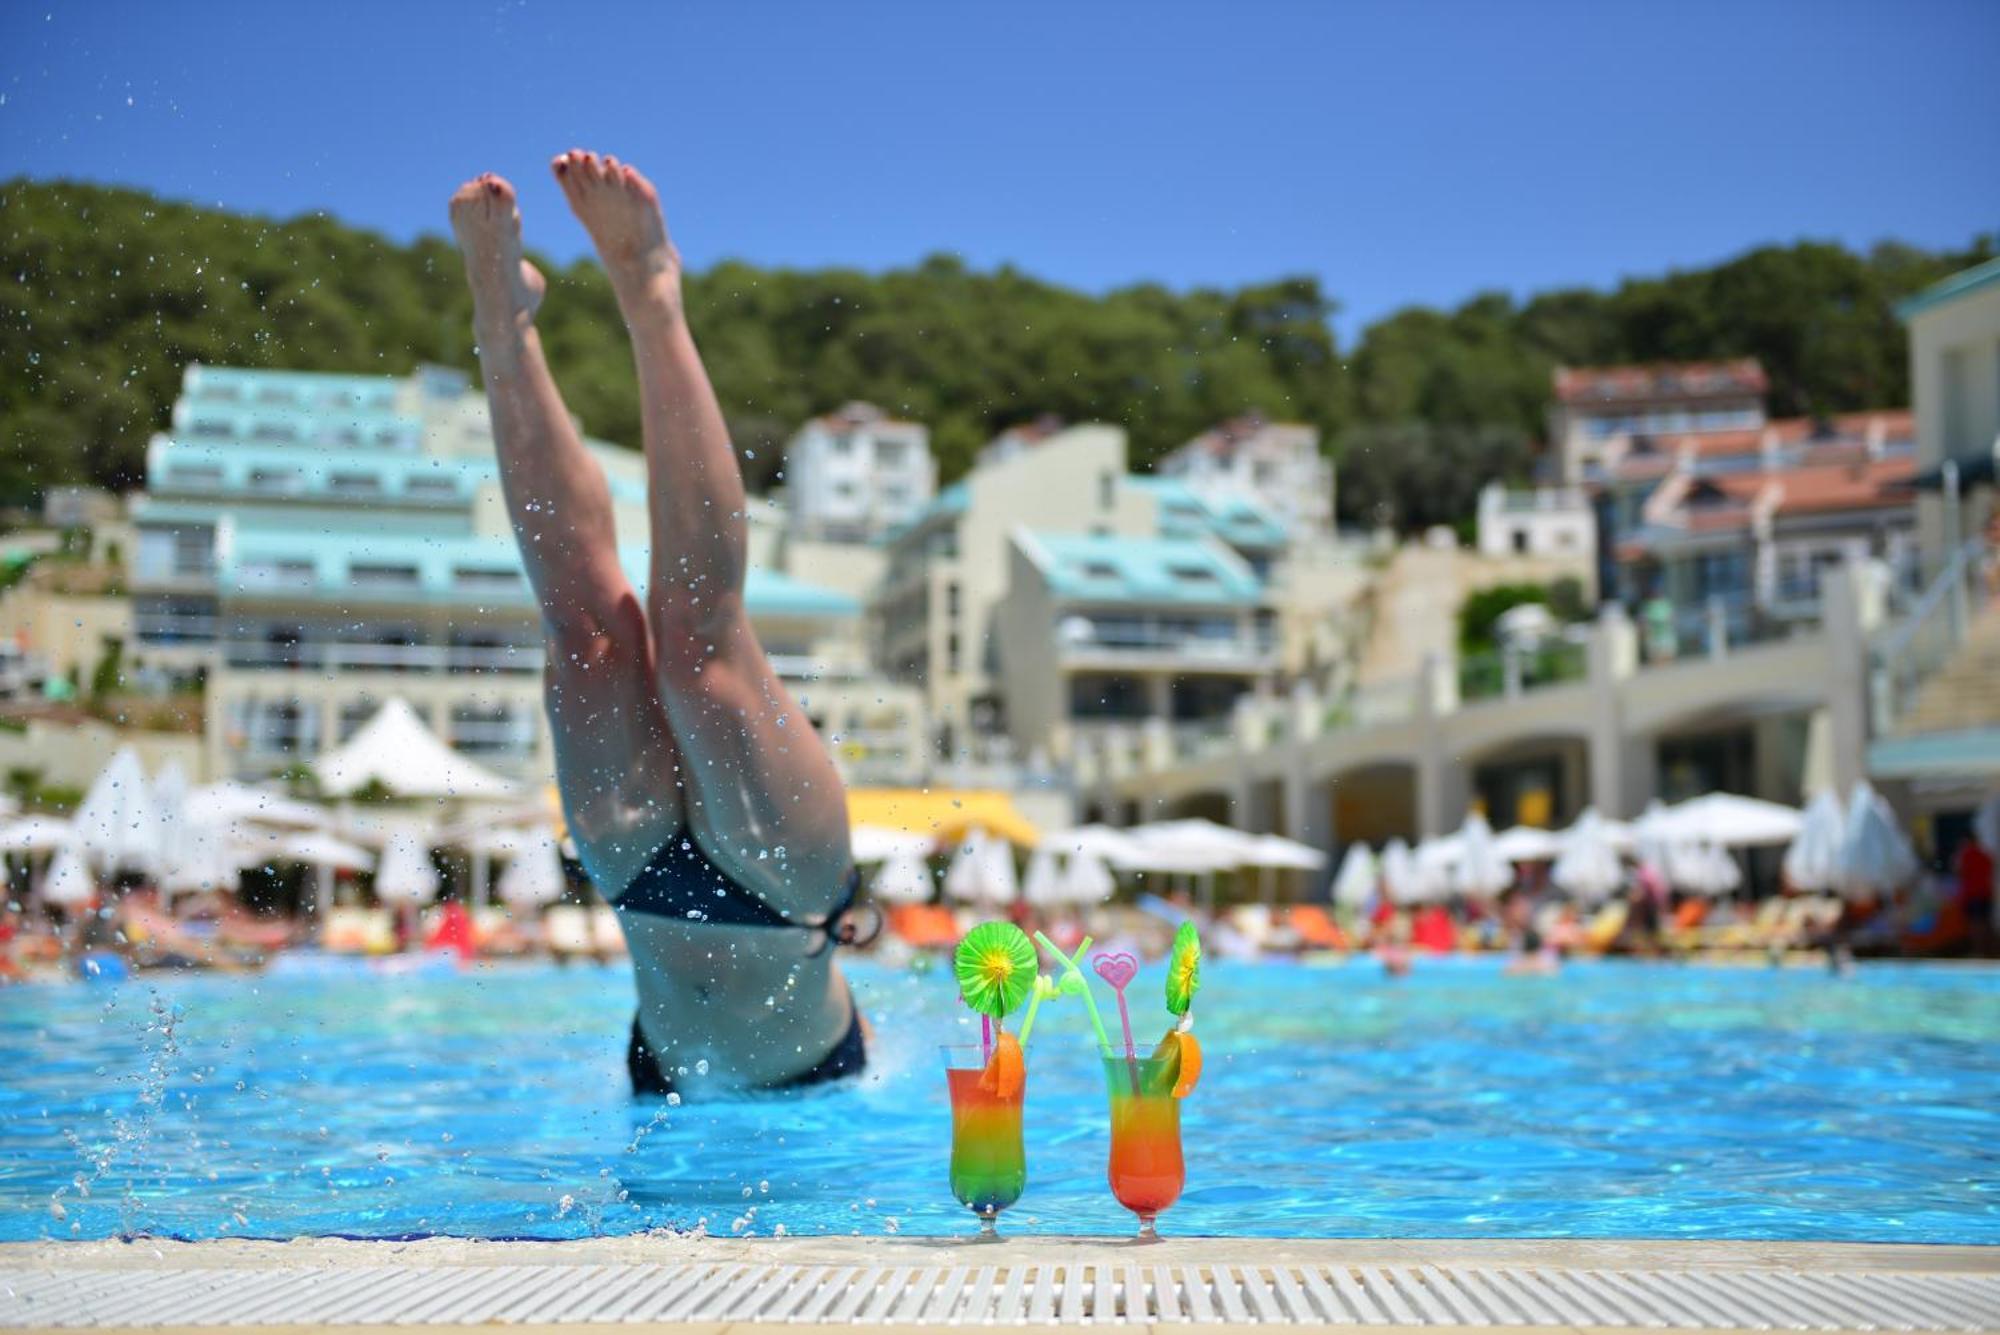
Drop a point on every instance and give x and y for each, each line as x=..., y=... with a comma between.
x=701, y=799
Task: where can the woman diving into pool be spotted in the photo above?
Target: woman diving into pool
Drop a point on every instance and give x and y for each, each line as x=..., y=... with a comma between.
x=699, y=796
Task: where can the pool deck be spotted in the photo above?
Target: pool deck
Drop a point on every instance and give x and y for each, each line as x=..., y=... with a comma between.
x=700, y=1284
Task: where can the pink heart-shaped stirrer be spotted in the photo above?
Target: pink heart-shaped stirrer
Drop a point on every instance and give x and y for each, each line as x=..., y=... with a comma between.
x=1119, y=968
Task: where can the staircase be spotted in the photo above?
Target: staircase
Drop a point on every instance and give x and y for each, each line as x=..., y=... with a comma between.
x=1964, y=693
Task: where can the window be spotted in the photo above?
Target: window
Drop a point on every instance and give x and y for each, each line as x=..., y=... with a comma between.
x=1520, y=540
x=382, y=576
x=842, y=445
x=1192, y=574
x=951, y=598
x=891, y=453
x=430, y=488
x=273, y=573
x=211, y=428
x=274, y=479
x=1099, y=570
x=355, y=484
x=1107, y=489
x=194, y=477
x=275, y=433
x=486, y=579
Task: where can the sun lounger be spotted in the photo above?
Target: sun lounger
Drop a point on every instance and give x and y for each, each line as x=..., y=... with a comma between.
x=606, y=934
x=924, y=926
x=567, y=930
x=355, y=931
x=1317, y=930
x=1605, y=926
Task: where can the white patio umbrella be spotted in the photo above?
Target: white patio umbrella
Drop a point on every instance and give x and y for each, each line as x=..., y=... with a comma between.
x=69, y=882
x=1400, y=877
x=1115, y=847
x=115, y=821
x=1042, y=885
x=227, y=802
x=534, y=876
x=326, y=855
x=1355, y=883
x=1875, y=855
x=36, y=834
x=1526, y=843
x=405, y=875
x=1086, y=880
x=1729, y=819
x=1588, y=865
x=879, y=843
x=1480, y=870
x=198, y=858
x=1812, y=862
x=1436, y=860
x=904, y=879
x=982, y=870
x=1703, y=869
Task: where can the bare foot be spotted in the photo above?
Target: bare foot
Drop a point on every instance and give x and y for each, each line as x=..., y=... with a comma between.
x=621, y=211
x=506, y=289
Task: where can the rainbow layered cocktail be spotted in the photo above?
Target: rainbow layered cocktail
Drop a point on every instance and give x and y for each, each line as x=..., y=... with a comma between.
x=989, y=1165
x=1145, y=1167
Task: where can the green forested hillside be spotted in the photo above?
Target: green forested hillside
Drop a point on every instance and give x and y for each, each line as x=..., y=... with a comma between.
x=105, y=294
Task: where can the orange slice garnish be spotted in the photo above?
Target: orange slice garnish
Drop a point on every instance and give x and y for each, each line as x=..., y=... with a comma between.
x=1007, y=1070
x=1190, y=1064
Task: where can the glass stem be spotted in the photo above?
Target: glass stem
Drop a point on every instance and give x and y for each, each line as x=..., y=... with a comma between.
x=988, y=1224
x=1147, y=1233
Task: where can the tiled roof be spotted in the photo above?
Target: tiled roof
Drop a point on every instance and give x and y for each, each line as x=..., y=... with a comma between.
x=1663, y=380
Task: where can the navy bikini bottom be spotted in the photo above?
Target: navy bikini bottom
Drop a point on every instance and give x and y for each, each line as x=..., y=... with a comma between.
x=679, y=881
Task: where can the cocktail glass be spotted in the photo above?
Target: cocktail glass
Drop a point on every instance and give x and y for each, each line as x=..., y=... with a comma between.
x=1145, y=1168
x=989, y=1168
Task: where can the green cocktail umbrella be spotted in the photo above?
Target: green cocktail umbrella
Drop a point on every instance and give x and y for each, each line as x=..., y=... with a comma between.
x=1183, y=969
x=995, y=964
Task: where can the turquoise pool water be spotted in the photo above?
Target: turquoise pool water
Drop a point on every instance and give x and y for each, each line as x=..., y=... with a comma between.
x=1617, y=1100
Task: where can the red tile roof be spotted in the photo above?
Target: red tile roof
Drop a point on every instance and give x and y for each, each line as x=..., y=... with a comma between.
x=1662, y=380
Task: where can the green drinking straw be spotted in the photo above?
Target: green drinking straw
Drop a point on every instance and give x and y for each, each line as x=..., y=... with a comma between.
x=1073, y=981
x=1044, y=987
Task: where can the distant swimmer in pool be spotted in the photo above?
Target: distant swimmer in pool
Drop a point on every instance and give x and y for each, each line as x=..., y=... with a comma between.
x=701, y=800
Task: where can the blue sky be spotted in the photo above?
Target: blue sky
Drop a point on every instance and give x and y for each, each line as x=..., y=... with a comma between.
x=1404, y=153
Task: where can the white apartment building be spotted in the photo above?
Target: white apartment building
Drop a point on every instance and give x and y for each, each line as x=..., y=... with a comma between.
x=1546, y=521
x=1276, y=464
x=314, y=545
x=1601, y=413
x=1955, y=382
x=855, y=474
x=1106, y=631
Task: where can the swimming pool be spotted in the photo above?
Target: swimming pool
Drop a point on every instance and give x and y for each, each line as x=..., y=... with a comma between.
x=1617, y=1100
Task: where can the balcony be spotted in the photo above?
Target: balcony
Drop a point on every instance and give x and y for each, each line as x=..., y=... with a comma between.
x=318, y=656
x=1081, y=641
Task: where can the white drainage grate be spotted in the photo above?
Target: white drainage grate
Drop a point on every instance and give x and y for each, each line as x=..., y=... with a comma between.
x=1066, y=1293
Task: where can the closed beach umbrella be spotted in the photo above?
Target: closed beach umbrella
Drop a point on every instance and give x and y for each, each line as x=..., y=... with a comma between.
x=1042, y=886
x=1086, y=880
x=1875, y=856
x=1702, y=869
x=115, y=820
x=904, y=879
x=69, y=882
x=535, y=875
x=998, y=875
x=197, y=857
x=1588, y=866
x=1812, y=862
x=406, y=875
x=1480, y=870
x=982, y=870
x=1986, y=824
x=1436, y=862
x=1355, y=883
x=1399, y=873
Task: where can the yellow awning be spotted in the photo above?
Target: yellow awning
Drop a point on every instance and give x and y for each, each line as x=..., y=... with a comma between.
x=944, y=814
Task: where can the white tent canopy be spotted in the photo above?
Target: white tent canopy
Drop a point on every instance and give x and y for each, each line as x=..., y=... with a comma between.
x=535, y=875
x=1812, y=862
x=395, y=749
x=904, y=879
x=1728, y=819
x=1354, y=883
